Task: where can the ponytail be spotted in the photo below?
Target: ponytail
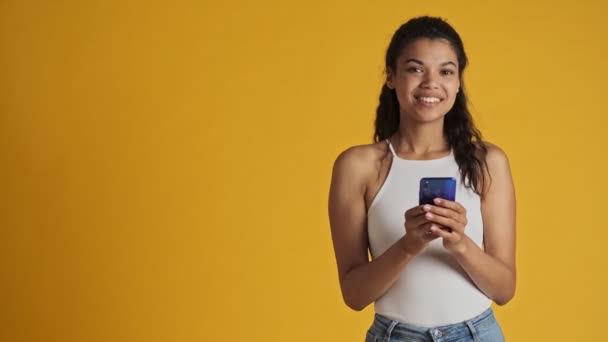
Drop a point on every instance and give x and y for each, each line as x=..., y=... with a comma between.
x=387, y=114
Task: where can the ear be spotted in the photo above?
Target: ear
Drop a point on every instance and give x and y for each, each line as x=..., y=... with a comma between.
x=390, y=82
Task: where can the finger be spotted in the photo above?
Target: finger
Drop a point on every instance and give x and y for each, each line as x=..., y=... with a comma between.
x=415, y=211
x=450, y=205
x=415, y=222
x=444, y=221
x=427, y=231
x=441, y=233
x=445, y=212
x=427, y=225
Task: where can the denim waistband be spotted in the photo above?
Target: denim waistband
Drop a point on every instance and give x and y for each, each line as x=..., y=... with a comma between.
x=384, y=326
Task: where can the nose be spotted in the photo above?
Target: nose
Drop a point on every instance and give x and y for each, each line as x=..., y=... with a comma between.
x=430, y=81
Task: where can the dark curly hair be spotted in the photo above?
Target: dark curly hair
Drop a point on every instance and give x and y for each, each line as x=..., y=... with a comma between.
x=462, y=136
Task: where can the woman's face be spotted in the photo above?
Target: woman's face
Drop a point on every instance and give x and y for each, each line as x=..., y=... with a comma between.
x=426, y=79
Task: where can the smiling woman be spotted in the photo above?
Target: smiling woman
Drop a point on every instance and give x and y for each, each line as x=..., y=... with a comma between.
x=436, y=268
x=425, y=79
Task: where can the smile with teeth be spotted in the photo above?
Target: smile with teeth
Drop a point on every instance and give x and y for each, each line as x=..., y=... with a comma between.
x=428, y=99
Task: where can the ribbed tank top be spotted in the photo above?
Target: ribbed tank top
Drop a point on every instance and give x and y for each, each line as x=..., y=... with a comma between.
x=432, y=289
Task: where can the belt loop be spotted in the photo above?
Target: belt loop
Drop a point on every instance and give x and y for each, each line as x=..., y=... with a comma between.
x=473, y=330
x=389, y=331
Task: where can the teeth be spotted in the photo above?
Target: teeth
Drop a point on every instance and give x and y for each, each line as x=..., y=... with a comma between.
x=429, y=99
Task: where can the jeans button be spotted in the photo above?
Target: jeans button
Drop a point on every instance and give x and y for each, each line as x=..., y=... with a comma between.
x=438, y=333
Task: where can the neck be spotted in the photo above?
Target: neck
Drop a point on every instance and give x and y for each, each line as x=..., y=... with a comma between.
x=421, y=138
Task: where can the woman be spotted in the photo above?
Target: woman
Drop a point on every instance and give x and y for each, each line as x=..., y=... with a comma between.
x=435, y=269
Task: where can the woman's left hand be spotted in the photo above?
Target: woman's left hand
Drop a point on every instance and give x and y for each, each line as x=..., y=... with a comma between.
x=452, y=217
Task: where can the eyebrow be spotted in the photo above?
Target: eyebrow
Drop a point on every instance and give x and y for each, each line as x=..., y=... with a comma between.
x=420, y=62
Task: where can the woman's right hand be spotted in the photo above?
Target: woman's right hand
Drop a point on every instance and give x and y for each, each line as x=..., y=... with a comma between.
x=418, y=232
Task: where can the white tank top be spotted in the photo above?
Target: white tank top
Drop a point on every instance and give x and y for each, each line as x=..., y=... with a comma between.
x=432, y=289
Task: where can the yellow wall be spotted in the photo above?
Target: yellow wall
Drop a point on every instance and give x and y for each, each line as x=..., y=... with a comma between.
x=165, y=165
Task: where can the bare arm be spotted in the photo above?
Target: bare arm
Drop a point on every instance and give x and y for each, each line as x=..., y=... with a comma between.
x=362, y=281
x=493, y=271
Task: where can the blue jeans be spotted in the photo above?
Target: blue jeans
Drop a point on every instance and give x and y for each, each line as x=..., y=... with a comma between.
x=482, y=328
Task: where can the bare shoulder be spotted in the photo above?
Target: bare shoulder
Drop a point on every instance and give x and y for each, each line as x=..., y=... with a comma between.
x=498, y=171
x=496, y=157
x=360, y=159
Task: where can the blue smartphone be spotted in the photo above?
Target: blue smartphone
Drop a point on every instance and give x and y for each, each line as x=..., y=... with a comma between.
x=433, y=187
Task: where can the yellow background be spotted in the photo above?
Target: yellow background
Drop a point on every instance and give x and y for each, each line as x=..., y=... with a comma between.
x=165, y=165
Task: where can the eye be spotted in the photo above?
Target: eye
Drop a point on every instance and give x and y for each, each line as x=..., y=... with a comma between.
x=447, y=72
x=414, y=69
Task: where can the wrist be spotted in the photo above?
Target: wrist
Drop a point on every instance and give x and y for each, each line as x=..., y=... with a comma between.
x=408, y=247
x=461, y=249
